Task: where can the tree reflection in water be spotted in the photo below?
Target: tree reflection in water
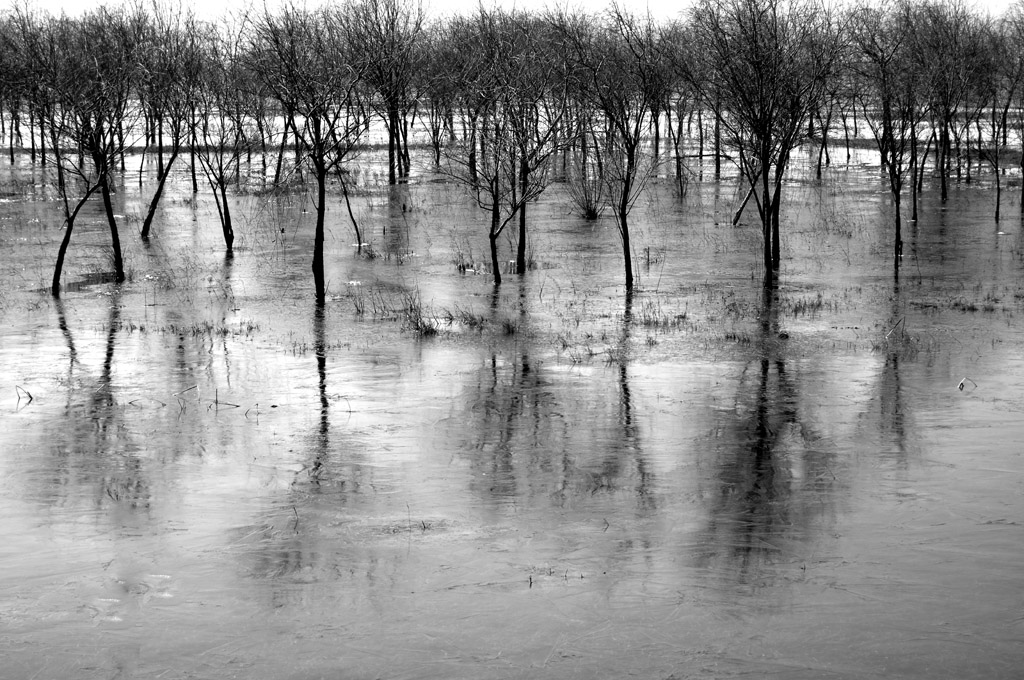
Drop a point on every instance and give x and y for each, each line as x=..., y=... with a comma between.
x=509, y=417
x=531, y=434
x=762, y=510
x=890, y=390
x=62, y=323
x=95, y=448
x=322, y=438
x=396, y=226
x=629, y=443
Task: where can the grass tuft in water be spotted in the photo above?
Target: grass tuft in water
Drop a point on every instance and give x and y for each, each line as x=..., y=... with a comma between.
x=244, y=328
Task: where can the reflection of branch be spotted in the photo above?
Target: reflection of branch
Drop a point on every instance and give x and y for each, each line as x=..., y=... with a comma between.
x=897, y=325
x=134, y=402
x=966, y=380
x=218, y=403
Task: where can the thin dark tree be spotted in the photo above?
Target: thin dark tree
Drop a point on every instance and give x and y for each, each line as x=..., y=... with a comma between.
x=92, y=73
x=521, y=103
x=617, y=62
x=220, y=144
x=385, y=38
x=947, y=43
x=437, y=85
x=39, y=42
x=1003, y=87
x=171, y=64
x=303, y=58
x=889, y=96
x=768, y=63
x=1013, y=21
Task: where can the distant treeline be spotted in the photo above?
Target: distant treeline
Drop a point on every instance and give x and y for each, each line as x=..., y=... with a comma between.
x=498, y=94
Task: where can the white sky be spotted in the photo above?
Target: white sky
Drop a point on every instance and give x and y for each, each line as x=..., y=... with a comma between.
x=659, y=8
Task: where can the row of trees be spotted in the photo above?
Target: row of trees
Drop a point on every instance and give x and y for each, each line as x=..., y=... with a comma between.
x=506, y=99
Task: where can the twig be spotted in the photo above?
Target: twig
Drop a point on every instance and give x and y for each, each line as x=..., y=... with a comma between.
x=132, y=402
x=23, y=394
x=218, y=403
x=901, y=321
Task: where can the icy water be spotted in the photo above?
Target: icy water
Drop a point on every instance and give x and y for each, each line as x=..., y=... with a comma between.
x=202, y=477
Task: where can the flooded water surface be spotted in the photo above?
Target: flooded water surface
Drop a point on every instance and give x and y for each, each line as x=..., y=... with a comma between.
x=203, y=476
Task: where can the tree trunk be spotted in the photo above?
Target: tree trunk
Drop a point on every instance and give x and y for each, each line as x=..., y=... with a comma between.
x=718, y=145
x=898, y=240
x=623, y=215
x=70, y=217
x=393, y=142
x=656, y=124
x=626, y=248
x=943, y=161
x=280, y=156
x=192, y=150
x=913, y=175
x=405, y=159
x=121, y=147
x=766, y=223
x=524, y=180
x=262, y=132
x=318, y=238
x=148, y=222
x=492, y=238
x=14, y=118
x=351, y=216
x=776, y=241
x=999, y=192
x=58, y=268
x=700, y=142
x=472, y=150
x=739, y=211
x=32, y=133
x=160, y=169
x=42, y=138
x=115, y=240
x=225, y=222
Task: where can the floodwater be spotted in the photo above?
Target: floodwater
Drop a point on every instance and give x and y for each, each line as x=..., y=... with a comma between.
x=202, y=477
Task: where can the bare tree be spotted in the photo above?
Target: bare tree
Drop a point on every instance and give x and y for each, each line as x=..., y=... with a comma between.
x=385, y=36
x=439, y=55
x=680, y=97
x=221, y=140
x=617, y=63
x=585, y=176
x=947, y=42
x=303, y=59
x=768, y=63
x=890, y=96
x=521, y=101
x=170, y=69
x=15, y=75
x=92, y=72
x=1005, y=78
x=38, y=41
x=1013, y=23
